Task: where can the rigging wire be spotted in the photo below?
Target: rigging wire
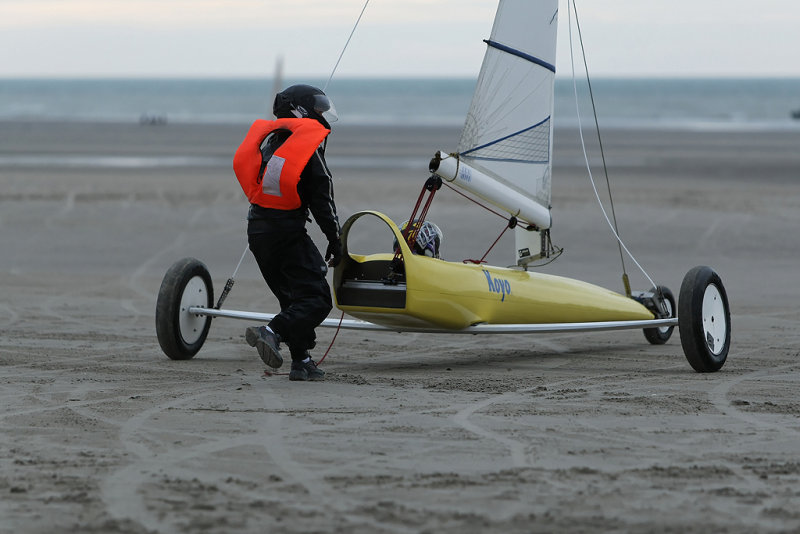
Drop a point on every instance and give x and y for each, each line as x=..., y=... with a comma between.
x=585, y=155
x=345, y=45
x=229, y=283
x=240, y=262
x=600, y=141
x=487, y=208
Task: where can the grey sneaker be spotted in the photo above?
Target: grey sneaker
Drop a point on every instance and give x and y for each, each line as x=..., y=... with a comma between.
x=306, y=371
x=266, y=343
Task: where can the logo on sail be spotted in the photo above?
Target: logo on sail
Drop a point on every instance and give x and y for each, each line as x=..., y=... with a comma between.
x=500, y=286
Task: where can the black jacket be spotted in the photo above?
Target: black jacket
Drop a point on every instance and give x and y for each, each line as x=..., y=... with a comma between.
x=316, y=194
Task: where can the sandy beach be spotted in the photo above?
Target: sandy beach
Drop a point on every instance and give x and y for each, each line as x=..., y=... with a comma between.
x=409, y=433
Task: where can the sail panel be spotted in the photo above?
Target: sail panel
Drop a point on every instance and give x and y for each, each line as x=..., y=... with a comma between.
x=508, y=130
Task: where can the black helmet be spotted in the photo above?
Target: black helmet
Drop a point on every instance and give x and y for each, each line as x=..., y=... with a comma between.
x=304, y=101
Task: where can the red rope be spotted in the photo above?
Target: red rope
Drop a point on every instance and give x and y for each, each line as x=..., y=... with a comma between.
x=415, y=223
x=418, y=224
x=482, y=260
x=341, y=318
x=267, y=372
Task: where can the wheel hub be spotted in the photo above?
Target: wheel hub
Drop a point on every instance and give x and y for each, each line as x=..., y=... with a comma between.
x=714, y=325
x=191, y=324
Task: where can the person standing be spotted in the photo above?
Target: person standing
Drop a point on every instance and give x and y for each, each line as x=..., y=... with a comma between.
x=281, y=167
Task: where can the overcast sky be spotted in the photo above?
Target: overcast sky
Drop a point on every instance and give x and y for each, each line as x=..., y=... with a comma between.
x=134, y=38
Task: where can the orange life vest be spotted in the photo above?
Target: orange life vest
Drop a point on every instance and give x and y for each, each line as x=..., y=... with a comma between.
x=275, y=184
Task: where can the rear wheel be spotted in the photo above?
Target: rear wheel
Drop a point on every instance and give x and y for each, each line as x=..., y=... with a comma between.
x=666, y=302
x=180, y=333
x=704, y=320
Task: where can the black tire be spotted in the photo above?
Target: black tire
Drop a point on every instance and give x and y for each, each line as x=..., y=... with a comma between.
x=660, y=335
x=704, y=320
x=180, y=333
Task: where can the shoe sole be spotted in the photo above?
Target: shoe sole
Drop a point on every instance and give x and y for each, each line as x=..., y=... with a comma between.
x=297, y=377
x=268, y=355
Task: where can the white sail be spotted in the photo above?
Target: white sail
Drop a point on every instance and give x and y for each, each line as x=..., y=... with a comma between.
x=505, y=152
x=508, y=131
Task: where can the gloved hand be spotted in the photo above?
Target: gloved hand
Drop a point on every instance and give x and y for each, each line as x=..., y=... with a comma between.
x=333, y=255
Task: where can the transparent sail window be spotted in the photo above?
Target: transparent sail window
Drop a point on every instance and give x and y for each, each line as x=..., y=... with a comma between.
x=531, y=145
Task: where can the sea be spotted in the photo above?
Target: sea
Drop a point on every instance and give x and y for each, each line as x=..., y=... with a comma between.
x=724, y=104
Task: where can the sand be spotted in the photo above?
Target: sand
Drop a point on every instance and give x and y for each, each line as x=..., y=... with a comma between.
x=100, y=432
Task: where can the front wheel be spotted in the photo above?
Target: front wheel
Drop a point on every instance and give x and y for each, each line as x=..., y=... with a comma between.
x=704, y=320
x=180, y=333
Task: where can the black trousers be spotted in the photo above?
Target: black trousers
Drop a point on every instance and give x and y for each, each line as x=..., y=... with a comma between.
x=295, y=272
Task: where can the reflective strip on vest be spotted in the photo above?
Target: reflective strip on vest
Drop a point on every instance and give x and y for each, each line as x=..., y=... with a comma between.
x=271, y=183
x=278, y=187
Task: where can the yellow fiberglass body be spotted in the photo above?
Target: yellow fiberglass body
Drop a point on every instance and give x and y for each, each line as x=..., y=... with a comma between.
x=431, y=293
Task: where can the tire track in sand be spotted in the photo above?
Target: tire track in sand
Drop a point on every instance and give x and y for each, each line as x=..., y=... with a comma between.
x=719, y=397
x=121, y=491
x=519, y=456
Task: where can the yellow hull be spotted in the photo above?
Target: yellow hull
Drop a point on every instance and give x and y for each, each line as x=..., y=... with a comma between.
x=439, y=294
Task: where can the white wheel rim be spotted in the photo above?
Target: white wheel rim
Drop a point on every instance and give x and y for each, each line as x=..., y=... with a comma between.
x=668, y=307
x=715, y=326
x=191, y=325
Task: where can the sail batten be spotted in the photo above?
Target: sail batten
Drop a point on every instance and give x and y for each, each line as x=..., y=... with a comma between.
x=523, y=55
